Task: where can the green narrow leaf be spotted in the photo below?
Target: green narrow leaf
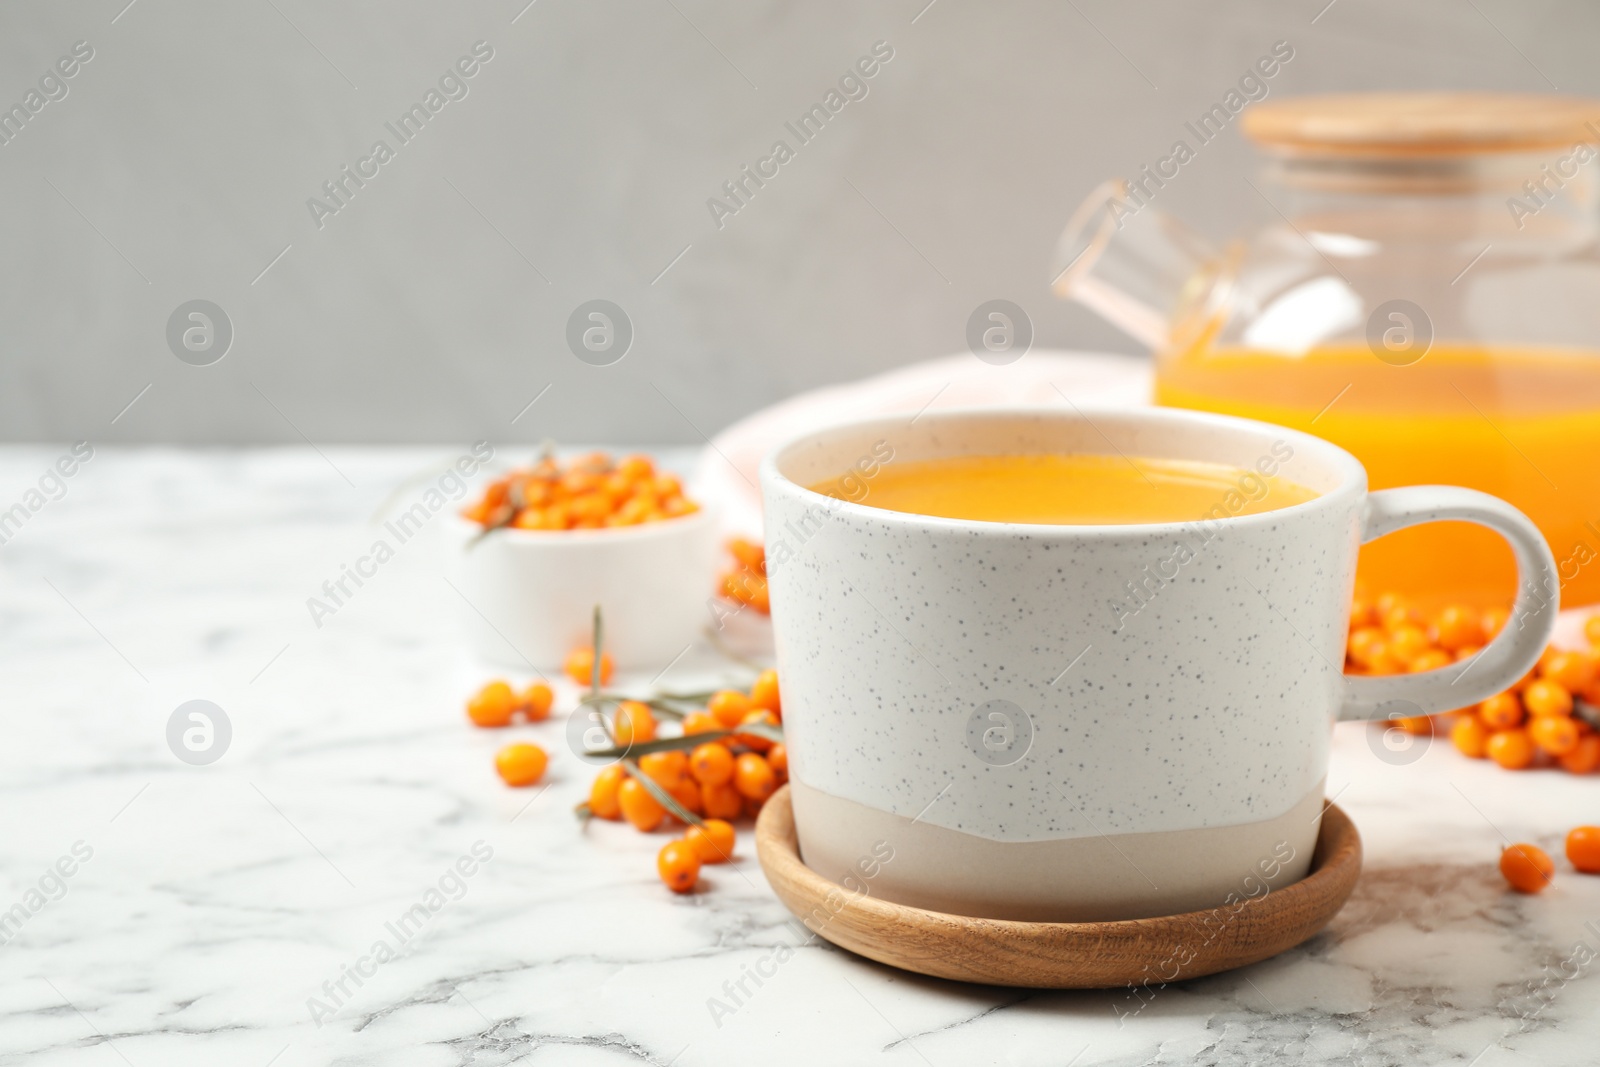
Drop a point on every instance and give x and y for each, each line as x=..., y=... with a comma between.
x=594, y=671
x=687, y=741
x=698, y=696
x=657, y=704
x=583, y=812
x=770, y=731
x=654, y=703
x=661, y=744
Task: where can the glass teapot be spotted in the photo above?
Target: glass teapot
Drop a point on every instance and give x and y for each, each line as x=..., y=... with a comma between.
x=1428, y=298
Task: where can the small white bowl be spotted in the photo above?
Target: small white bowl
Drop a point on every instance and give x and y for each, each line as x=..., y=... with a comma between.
x=531, y=594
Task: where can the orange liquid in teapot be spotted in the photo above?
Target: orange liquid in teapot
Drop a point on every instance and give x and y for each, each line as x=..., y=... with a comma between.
x=1523, y=425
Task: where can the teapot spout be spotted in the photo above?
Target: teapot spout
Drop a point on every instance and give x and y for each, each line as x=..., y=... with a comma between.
x=1138, y=268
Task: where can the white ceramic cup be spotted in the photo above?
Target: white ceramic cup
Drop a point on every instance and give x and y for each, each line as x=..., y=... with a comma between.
x=528, y=596
x=1080, y=723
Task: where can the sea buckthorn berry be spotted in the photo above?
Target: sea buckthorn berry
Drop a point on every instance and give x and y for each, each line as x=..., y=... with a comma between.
x=521, y=764
x=616, y=486
x=1501, y=711
x=1511, y=749
x=700, y=722
x=1397, y=615
x=679, y=866
x=1386, y=662
x=753, y=777
x=1584, y=757
x=638, y=806
x=496, y=493
x=1417, y=725
x=1494, y=620
x=666, y=769
x=578, y=482
x=734, y=584
x=752, y=807
x=712, y=841
x=1364, y=644
x=536, y=492
x=1468, y=652
x=711, y=764
x=632, y=723
x=1527, y=868
x=1572, y=671
x=778, y=760
x=1583, y=847
x=687, y=793
x=1431, y=660
x=1362, y=613
x=493, y=705
x=1546, y=698
x=729, y=706
x=1556, y=734
x=747, y=588
x=721, y=801
x=756, y=716
x=536, y=701
x=1526, y=680
x=636, y=468
x=1406, y=643
x=580, y=666
x=632, y=513
x=1470, y=737
x=750, y=555
x=764, y=694
x=761, y=597
x=1458, y=627
x=1591, y=629
x=555, y=516
x=591, y=507
x=603, y=793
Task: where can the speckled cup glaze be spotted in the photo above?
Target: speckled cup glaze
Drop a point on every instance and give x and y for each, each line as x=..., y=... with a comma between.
x=1009, y=702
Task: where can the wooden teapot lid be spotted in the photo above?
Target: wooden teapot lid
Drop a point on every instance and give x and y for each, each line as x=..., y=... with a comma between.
x=1421, y=124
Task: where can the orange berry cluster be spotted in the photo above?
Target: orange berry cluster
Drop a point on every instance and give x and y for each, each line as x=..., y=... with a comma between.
x=1530, y=723
x=1529, y=869
x=1389, y=636
x=718, y=780
x=1533, y=722
x=495, y=705
x=591, y=492
x=746, y=581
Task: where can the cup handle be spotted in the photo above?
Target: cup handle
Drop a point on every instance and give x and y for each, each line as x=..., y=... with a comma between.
x=1520, y=642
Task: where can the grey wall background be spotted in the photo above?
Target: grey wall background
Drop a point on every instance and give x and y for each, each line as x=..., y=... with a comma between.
x=433, y=306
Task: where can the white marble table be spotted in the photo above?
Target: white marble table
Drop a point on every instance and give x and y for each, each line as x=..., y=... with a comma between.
x=217, y=900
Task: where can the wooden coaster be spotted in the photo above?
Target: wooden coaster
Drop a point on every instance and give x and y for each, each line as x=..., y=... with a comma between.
x=1095, y=955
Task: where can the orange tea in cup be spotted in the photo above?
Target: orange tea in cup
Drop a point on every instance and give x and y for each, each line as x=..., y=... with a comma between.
x=1078, y=489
